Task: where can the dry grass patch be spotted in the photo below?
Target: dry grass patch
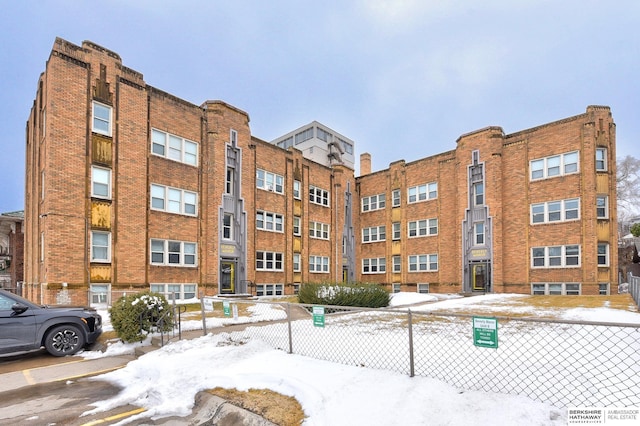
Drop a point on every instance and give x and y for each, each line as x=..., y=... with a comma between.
x=277, y=408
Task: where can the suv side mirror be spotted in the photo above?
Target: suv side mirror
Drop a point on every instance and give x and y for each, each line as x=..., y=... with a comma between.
x=19, y=308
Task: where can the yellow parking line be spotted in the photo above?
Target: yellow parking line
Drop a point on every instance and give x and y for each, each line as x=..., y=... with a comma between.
x=27, y=377
x=116, y=417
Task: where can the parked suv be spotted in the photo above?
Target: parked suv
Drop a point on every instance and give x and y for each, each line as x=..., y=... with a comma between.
x=62, y=330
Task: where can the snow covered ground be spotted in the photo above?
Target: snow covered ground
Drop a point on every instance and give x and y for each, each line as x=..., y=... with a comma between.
x=166, y=381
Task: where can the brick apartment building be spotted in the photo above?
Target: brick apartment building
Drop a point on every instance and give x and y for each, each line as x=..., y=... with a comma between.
x=12, y=251
x=129, y=188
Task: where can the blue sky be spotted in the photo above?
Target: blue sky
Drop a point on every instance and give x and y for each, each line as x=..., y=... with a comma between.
x=403, y=79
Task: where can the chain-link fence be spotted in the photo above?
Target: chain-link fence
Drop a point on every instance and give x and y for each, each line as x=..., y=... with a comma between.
x=566, y=363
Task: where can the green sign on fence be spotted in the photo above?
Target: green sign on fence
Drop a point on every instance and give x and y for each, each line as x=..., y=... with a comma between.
x=226, y=308
x=318, y=316
x=485, y=332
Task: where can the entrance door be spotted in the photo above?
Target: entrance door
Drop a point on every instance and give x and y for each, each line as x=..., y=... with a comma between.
x=480, y=277
x=227, y=277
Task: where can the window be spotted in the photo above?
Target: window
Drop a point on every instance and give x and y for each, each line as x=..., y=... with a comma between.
x=423, y=263
x=395, y=195
x=603, y=289
x=269, y=289
x=319, y=264
x=268, y=261
x=424, y=192
x=228, y=187
x=318, y=196
x=296, y=226
x=376, y=265
x=564, y=289
x=101, y=119
x=319, y=230
x=269, y=181
x=603, y=254
x=100, y=247
x=374, y=202
x=423, y=288
x=555, y=211
x=396, y=262
x=421, y=228
x=478, y=194
x=100, y=294
x=373, y=234
x=557, y=165
x=174, y=147
x=478, y=233
x=602, y=207
x=324, y=135
x=601, y=159
x=180, y=291
x=297, y=265
x=227, y=226
x=397, y=287
x=296, y=189
x=233, y=137
x=304, y=135
x=173, y=253
x=173, y=200
x=555, y=256
x=268, y=221
x=396, y=231
x=100, y=182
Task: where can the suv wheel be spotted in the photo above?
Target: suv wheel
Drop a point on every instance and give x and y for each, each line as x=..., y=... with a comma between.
x=64, y=340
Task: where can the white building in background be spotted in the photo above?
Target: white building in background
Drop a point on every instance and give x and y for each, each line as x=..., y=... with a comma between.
x=320, y=144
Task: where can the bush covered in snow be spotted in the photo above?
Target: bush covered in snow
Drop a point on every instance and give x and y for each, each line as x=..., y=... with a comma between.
x=134, y=316
x=361, y=295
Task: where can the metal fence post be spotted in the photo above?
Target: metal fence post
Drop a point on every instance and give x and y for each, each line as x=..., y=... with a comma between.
x=289, y=325
x=410, y=325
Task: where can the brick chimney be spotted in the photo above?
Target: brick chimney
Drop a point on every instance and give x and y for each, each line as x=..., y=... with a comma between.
x=365, y=163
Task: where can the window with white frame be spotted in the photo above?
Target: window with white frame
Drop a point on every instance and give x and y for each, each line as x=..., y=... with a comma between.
x=233, y=137
x=100, y=182
x=374, y=202
x=227, y=226
x=559, y=289
x=101, y=119
x=100, y=294
x=555, y=211
x=375, y=265
x=319, y=264
x=228, y=187
x=297, y=188
x=395, y=195
x=556, y=165
x=478, y=194
x=269, y=289
x=269, y=181
x=319, y=230
x=179, y=290
x=318, y=196
x=601, y=159
x=422, y=228
x=603, y=289
x=602, y=207
x=428, y=191
x=268, y=221
x=297, y=262
x=423, y=263
x=478, y=233
x=373, y=234
x=173, y=253
x=268, y=261
x=174, y=147
x=397, y=234
x=603, y=254
x=100, y=247
x=396, y=263
x=423, y=288
x=555, y=256
x=396, y=287
x=173, y=200
x=296, y=226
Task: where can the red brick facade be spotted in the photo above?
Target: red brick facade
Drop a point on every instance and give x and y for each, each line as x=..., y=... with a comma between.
x=130, y=188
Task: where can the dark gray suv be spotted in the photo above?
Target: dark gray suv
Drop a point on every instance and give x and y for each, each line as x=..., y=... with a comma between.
x=62, y=330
